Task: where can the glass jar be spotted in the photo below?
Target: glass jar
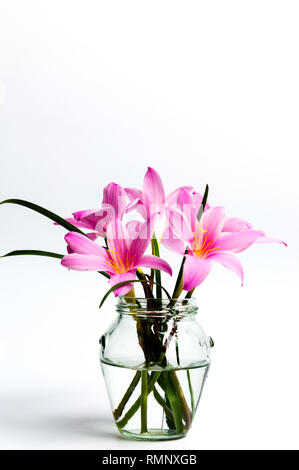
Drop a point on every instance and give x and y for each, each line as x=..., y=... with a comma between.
x=155, y=359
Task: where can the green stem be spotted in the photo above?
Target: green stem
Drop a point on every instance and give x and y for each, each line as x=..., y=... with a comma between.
x=177, y=348
x=152, y=275
x=150, y=386
x=127, y=395
x=171, y=386
x=133, y=385
x=146, y=287
x=174, y=403
x=130, y=296
x=182, y=399
x=143, y=400
x=118, y=411
x=161, y=402
x=178, y=285
x=156, y=252
x=189, y=294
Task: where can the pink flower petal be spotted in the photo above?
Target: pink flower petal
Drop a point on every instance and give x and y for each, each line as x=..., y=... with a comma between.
x=265, y=239
x=229, y=261
x=95, y=219
x=114, y=195
x=172, y=198
x=186, y=206
x=89, y=218
x=151, y=261
x=83, y=245
x=180, y=225
x=133, y=227
x=153, y=195
x=195, y=271
x=213, y=220
x=235, y=225
x=140, y=243
x=93, y=236
x=122, y=277
x=237, y=241
x=133, y=204
x=80, y=262
x=136, y=204
x=172, y=242
x=133, y=193
x=188, y=202
x=118, y=239
x=85, y=213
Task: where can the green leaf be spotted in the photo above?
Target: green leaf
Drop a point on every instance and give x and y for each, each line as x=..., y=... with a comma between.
x=56, y=218
x=156, y=252
x=120, y=284
x=179, y=282
x=33, y=252
x=49, y=254
x=174, y=403
x=203, y=203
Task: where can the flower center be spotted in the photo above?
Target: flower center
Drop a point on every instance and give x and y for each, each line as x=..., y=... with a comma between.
x=117, y=264
x=202, y=246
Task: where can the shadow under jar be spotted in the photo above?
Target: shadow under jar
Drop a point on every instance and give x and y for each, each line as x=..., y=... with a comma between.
x=155, y=359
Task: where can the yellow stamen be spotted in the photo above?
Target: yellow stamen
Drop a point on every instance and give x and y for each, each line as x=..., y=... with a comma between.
x=202, y=249
x=116, y=263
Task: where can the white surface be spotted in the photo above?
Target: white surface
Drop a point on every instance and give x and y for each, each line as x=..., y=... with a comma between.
x=96, y=91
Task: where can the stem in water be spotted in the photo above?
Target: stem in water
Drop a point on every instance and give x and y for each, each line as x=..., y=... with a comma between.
x=144, y=393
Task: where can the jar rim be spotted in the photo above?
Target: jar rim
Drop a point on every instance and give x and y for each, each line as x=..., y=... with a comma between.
x=146, y=307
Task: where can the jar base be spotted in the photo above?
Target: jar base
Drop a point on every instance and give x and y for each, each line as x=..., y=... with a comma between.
x=151, y=435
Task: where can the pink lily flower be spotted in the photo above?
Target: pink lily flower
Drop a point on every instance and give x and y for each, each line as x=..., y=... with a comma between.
x=122, y=258
x=114, y=206
x=151, y=201
x=214, y=239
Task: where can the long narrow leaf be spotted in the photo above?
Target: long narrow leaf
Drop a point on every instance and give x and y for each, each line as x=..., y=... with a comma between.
x=120, y=284
x=179, y=282
x=49, y=254
x=203, y=203
x=33, y=252
x=156, y=252
x=56, y=218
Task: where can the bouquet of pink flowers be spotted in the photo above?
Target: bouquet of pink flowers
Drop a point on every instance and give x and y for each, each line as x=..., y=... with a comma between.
x=183, y=222
x=113, y=240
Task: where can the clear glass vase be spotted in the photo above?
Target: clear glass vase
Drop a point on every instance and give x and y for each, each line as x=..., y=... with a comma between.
x=155, y=359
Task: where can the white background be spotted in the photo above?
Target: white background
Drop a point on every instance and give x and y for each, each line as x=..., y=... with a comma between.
x=205, y=92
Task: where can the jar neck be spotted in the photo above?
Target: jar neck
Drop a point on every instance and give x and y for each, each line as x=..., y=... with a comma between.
x=146, y=307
